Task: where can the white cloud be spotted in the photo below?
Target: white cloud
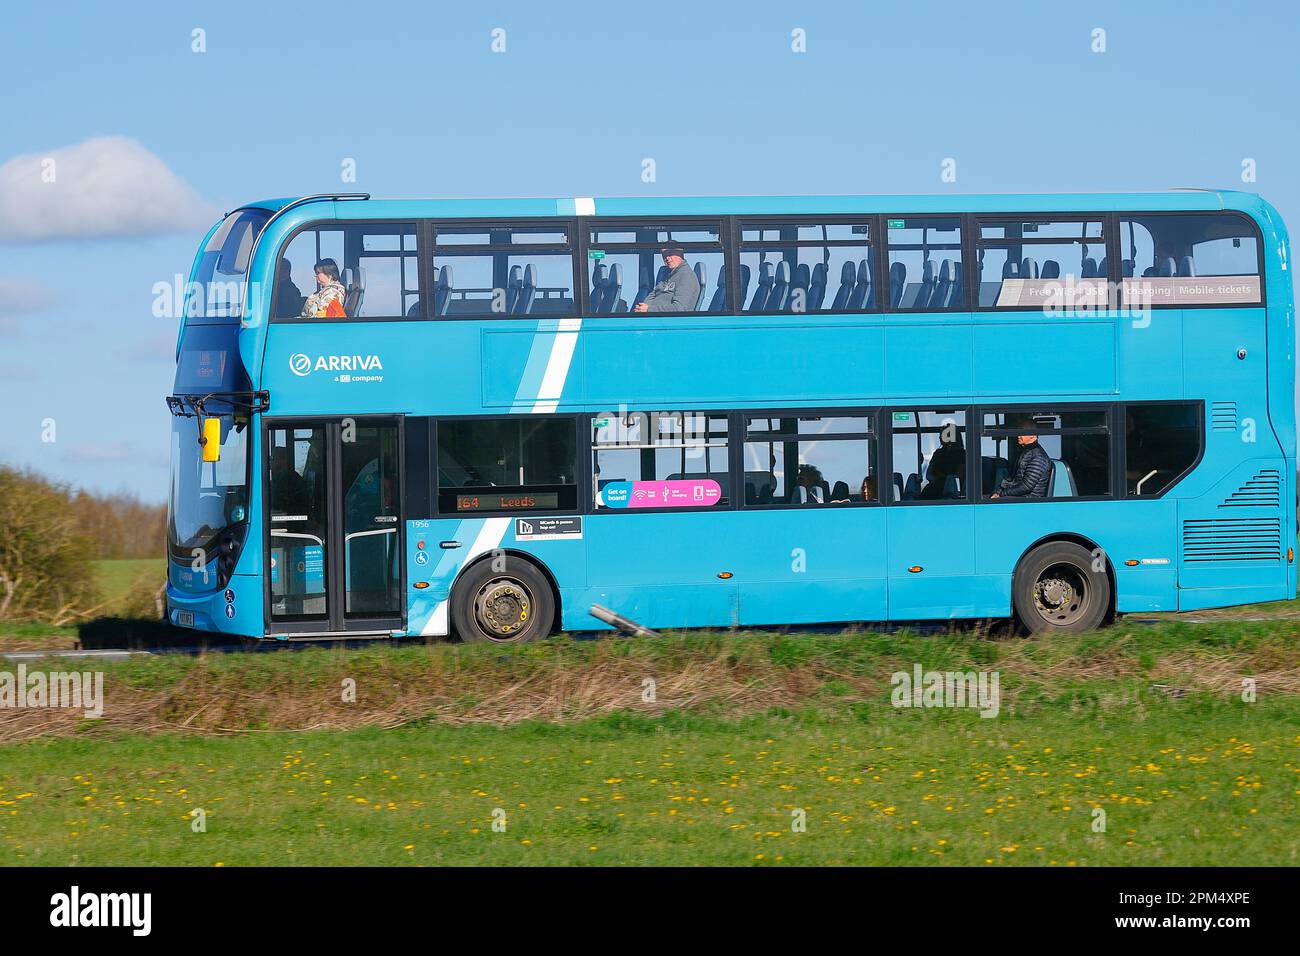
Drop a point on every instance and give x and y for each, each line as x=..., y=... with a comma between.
x=104, y=187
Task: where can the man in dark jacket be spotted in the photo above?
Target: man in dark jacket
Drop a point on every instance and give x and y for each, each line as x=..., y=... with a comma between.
x=1033, y=468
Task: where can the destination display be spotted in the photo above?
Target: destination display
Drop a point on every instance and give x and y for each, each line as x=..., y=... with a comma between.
x=491, y=502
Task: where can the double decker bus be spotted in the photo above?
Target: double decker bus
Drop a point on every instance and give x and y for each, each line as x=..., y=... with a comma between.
x=483, y=417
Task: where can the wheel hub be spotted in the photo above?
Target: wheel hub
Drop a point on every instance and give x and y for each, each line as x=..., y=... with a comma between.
x=503, y=607
x=1061, y=594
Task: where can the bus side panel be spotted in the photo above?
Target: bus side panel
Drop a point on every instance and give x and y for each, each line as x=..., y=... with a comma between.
x=1129, y=530
x=816, y=564
x=1045, y=358
x=1234, y=538
x=937, y=540
x=659, y=569
x=762, y=363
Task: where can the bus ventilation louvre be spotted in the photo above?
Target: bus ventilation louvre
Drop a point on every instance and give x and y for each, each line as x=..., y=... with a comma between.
x=1239, y=539
x=1223, y=416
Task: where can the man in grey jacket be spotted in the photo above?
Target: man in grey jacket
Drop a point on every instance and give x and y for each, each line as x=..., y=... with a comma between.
x=676, y=292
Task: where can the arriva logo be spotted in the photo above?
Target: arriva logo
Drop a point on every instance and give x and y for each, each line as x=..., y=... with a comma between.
x=301, y=364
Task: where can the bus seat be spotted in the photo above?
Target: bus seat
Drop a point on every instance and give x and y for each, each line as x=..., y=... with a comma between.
x=957, y=291
x=816, y=287
x=898, y=486
x=848, y=278
x=951, y=488
x=1166, y=267
x=702, y=277
x=897, y=283
x=645, y=284
x=912, y=487
x=1127, y=265
x=943, y=285
x=1103, y=268
x=860, y=299
x=766, y=276
x=1089, y=268
x=528, y=292
x=599, y=288
x=719, y=301
x=993, y=469
x=354, y=281
x=1060, y=483
x=926, y=292
x=514, y=286
x=839, y=492
x=744, y=286
x=1028, y=269
x=614, y=291
x=800, y=279
x=442, y=288
x=1186, y=266
x=778, y=300
x=1010, y=269
x=1051, y=270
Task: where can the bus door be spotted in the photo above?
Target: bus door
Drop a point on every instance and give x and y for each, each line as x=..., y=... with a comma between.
x=931, y=526
x=334, y=526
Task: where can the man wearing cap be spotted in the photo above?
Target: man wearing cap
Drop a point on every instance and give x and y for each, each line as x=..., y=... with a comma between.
x=678, y=291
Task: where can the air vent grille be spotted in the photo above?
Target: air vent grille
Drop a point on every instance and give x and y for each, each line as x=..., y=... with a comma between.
x=1232, y=539
x=1223, y=416
x=1262, y=491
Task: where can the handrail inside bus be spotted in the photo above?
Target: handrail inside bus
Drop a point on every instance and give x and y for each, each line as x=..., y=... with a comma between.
x=1138, y=489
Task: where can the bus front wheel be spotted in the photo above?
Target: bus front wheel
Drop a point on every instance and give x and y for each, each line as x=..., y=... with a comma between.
x=1058, y=588
x=511, y=606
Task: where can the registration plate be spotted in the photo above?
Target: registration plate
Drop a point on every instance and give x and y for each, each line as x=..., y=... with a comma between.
x=185, y=618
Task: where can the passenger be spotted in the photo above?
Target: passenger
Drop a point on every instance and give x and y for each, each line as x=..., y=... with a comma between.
x=1033, y=468
x=679, y=290
x=288, y=297
x=869, y=488
x=840, y=493
x=808, y=486
x=327, y=301
x=948, y=460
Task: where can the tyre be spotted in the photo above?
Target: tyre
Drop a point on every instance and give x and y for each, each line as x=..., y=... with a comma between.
x=512, y=606
x=1056, y=589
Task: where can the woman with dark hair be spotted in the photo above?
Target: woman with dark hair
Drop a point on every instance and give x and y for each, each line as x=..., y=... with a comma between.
x=327, y=301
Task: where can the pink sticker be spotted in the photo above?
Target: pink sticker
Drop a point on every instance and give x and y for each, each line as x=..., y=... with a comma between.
x=675, y=493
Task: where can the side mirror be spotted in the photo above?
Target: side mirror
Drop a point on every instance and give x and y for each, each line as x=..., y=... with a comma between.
x=211, y=440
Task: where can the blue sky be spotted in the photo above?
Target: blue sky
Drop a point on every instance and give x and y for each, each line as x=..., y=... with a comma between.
x=413, y=92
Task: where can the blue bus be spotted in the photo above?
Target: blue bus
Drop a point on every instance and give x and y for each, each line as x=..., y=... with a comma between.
x=479, y=418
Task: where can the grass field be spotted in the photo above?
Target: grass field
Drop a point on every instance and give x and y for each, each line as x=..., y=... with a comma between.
x=1145, y=723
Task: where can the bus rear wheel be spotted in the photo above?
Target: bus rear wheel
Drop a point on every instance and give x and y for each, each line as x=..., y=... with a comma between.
x=1056, y=589
x=513, y=606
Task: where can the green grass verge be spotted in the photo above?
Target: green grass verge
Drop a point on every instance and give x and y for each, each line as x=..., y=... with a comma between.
x=1189, y=782
x=1145, y=723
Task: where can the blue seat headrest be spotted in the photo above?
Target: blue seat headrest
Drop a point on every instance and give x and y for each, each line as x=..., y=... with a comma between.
x=945, y=271
x=598, y=276
x=783, y=271
x=616, y=274
x=702, y=274
x=1051, y=270
x=848, y=273
x=927, y=271
x=864, y=271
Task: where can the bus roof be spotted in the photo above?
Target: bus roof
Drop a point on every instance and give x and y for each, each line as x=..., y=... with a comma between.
x=1172, y=200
